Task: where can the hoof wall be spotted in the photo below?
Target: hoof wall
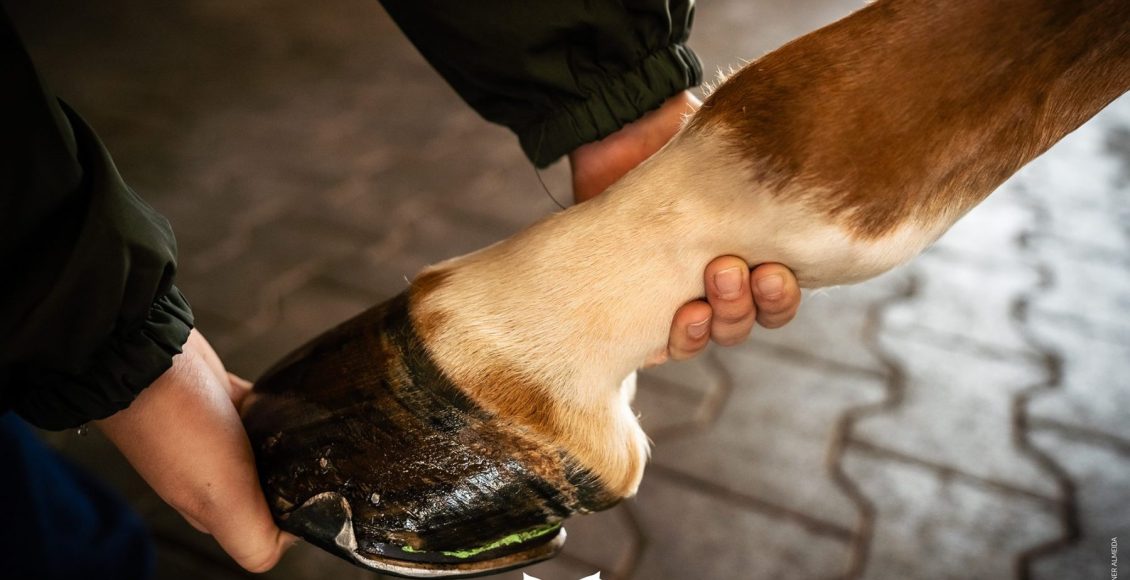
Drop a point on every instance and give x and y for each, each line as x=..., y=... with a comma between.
x=366, y=449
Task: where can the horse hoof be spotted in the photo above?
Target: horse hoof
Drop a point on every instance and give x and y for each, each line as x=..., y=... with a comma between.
x=367, y=450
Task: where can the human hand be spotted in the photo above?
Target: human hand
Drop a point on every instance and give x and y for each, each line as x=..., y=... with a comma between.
x=736, y=297
x=183, y=434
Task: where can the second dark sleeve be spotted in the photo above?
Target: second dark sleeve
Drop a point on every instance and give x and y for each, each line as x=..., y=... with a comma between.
x=89, y=313
x=558, y=74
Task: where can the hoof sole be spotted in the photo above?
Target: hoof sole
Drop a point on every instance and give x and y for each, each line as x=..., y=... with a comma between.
x=327, y=521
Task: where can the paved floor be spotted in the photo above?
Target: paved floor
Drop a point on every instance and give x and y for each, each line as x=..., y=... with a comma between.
x=966, y=416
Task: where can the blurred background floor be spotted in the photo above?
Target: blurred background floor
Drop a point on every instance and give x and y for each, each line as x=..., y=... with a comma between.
x=966, y=416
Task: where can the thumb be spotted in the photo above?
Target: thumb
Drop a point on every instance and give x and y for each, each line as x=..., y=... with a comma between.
x=239, y=519
x=238, y=388
x=256, y=551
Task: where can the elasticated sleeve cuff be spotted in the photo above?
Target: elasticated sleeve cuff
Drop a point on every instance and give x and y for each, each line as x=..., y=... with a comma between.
x=558, y=74
x=89, y=314
x=614, y=101
x=125, y=365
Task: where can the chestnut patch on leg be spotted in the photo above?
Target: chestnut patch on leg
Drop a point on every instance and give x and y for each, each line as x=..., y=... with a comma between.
x=424, y=285
x=592, y=434
x=507, y=392
x=905, y=112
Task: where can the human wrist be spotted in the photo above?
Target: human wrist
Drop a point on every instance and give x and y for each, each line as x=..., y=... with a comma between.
x=599, y=164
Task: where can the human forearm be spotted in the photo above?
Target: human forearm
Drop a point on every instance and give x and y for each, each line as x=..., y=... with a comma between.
x=184, y=436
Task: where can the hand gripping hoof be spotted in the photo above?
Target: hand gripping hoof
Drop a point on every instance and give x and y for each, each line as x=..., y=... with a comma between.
x=365, y=449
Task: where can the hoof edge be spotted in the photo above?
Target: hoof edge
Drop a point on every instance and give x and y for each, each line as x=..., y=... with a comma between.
x=326, y=520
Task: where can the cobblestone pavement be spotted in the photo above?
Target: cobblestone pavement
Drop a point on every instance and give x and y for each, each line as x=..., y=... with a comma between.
x=965, y=416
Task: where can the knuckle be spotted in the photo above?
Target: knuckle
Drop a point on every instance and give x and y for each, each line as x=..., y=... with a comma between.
x=684, y=353
x=775, y=306
x=724, y=321
x=736, y=333
x=738, y=319
x=777, y=320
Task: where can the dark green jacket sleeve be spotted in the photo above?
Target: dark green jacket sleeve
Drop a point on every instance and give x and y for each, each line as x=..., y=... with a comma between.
x=89, y=315
x=557, y=73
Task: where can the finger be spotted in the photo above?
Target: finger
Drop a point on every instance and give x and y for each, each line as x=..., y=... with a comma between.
x=256, y=549
x=727, y=289
x=690, y=330
x=776, y=293
x=199, y=346
x=596, y=166
x=236, y=387
x=239, y=389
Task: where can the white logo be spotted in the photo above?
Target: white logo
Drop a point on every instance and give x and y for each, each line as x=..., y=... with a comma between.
x=593, y=577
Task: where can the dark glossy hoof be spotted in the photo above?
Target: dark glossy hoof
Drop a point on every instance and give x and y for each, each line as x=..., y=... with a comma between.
x=365, y=449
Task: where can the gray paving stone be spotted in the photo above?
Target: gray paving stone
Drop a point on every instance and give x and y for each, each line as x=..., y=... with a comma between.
x=484, y=175
x=174, y=563
x=1084, y=171
x=307, y=562
x=1102, y=477
x=932, y=527
x=1087, y=232
x=93, y=452
x=220, y=330
x=359, y=205
x=605, y=542
x=171, y=532
x=253, y=199
x=423, y=234
x=303, y=314
x=1094, y=391
x=967, y=283
x=700, y=375
x=665, y=411
x=1090, y=296
x=557, y=569
x=695, y=535
x=955, y=409
x=964, y=305
x=678, y=397
x=772, y=439
x=991, y=232
x=730, y=33
x=503, y=187
x=264, y=265
x=833, y=322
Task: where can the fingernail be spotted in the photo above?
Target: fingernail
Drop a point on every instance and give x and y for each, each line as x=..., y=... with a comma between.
x=698, y=329
x=771, y=287
x=729, y=283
